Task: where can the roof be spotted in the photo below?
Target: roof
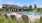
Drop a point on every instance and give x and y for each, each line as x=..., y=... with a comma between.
x=13, y=6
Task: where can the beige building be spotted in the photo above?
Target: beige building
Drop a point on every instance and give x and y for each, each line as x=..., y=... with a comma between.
x=8, y=7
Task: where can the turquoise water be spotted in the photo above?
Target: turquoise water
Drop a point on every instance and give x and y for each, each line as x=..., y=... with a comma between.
x=31, y=13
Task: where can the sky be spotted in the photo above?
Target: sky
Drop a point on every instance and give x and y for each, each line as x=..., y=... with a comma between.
x=22, y=2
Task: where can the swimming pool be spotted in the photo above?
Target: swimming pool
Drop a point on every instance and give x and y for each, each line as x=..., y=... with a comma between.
x=31, y=13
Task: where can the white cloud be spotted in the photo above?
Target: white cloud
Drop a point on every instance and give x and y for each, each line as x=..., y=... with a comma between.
x=9, y=3
x=0, y=3
x=0, y=6
x=17, y=3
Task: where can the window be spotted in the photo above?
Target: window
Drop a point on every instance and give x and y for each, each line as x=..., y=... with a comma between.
x=3, y=7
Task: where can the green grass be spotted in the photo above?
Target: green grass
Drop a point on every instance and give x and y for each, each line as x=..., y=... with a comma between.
x=4, y=20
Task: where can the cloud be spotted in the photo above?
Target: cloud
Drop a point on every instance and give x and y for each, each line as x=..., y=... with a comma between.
x=9, y=3
x=0, y=6
x=0, y=3
x=15, y=3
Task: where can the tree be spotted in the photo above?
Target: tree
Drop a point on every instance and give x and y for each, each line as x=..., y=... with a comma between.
x=30, y=7
x=35, y=6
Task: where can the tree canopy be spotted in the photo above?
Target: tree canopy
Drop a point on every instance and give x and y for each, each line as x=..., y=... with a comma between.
x=35, y=6
x=30, y=7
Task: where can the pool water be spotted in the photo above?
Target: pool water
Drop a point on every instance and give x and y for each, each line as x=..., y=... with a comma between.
x=31, y=13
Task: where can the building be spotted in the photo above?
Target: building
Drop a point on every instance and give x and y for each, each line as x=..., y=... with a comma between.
x=8, y=7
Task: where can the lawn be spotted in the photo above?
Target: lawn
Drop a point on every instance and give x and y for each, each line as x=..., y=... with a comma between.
x=4, y=20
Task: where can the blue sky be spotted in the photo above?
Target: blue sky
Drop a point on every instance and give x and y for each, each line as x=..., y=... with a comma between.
x=22, y=2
